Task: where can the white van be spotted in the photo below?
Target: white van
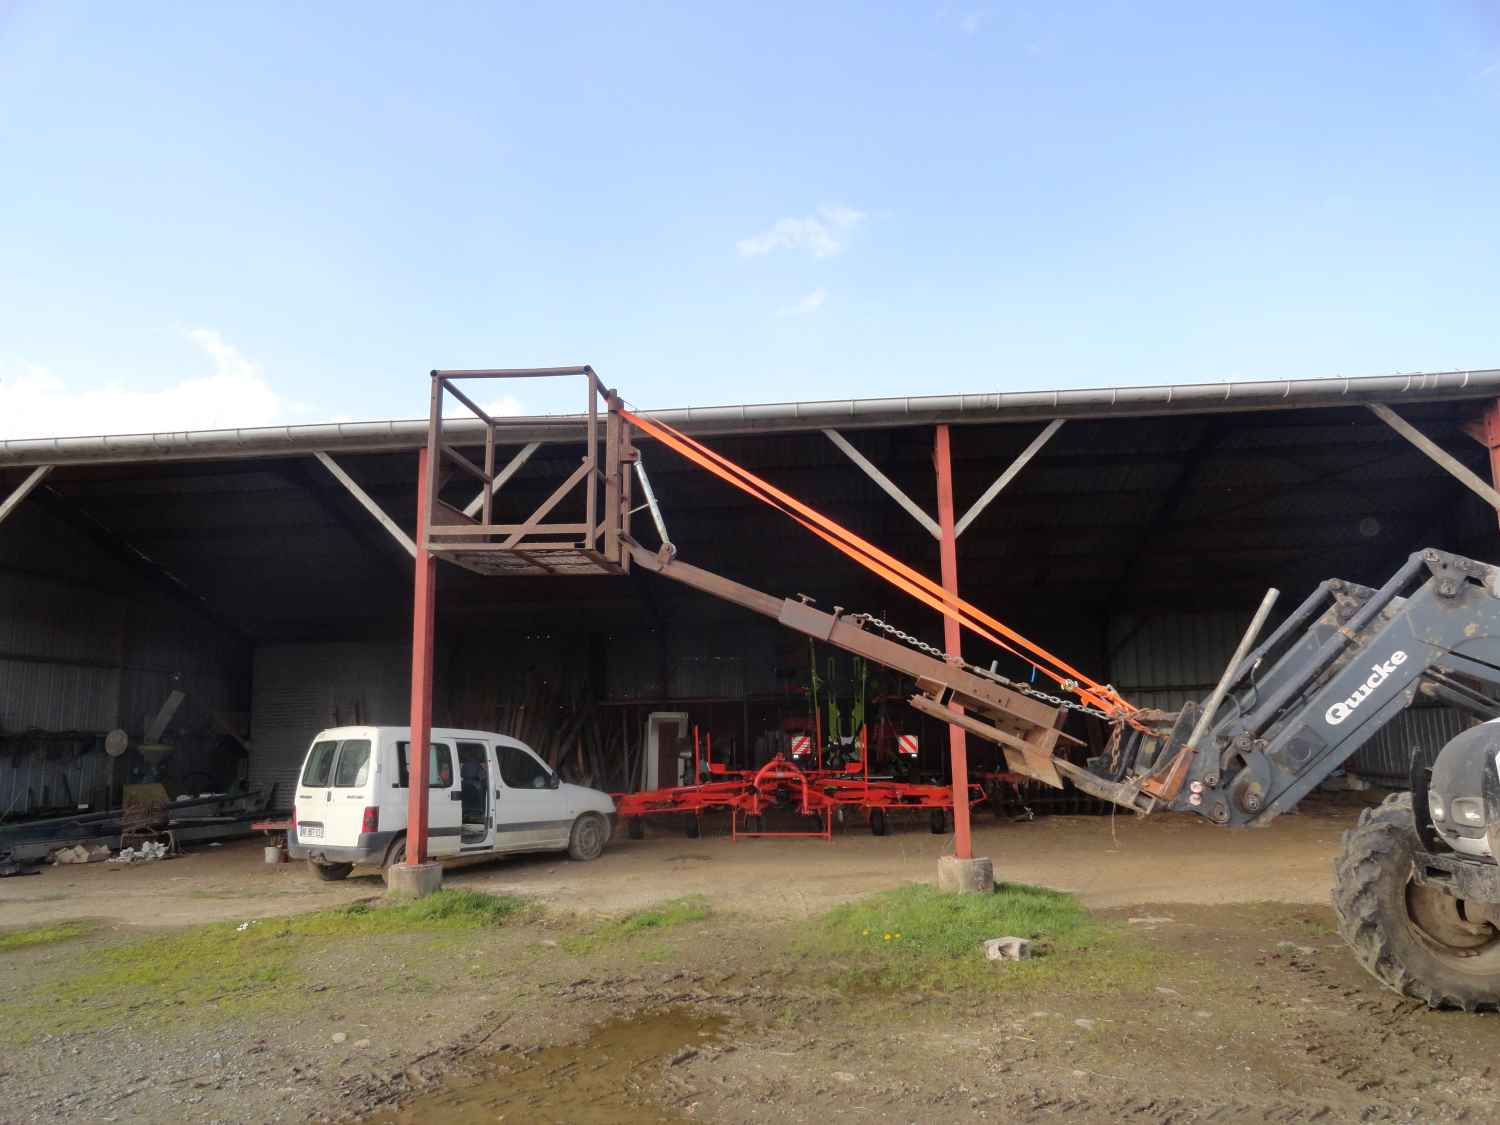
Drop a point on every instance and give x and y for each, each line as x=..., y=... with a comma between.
x=488, y=794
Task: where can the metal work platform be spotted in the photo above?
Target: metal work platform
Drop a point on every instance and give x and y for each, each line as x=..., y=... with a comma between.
x=589, y=544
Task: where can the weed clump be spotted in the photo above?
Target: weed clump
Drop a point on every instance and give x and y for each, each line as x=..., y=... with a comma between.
x=41, y=935
x=917, y=936
x=662, y=916
x=227, y=969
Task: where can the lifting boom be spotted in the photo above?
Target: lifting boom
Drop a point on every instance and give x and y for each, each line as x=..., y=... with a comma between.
x=1025, y=728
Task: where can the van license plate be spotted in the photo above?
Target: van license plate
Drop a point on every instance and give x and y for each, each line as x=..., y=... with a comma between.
x=310, y=831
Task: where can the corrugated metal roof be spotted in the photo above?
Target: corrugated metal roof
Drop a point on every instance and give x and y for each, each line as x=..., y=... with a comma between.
x=999, y=406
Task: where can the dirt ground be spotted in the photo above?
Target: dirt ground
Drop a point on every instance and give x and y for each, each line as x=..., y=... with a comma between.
x=1107, y=861
x=1250, y=1008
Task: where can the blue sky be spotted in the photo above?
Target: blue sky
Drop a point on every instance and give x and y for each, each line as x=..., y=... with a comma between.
x=213, y=214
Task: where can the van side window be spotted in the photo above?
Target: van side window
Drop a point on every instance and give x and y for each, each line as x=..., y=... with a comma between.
x=319, y=765
x=439, y=766
x=519, y=770
x=354, y=764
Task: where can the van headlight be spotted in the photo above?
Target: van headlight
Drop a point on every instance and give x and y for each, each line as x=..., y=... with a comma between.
x=1435, y=808
x=1470, y=811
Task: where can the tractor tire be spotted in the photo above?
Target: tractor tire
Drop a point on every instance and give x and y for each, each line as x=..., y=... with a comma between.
x=879, y=826
x=331, y=872
x=590, y=834
x=1413, y=939
x=694, y=828
x=635, y=827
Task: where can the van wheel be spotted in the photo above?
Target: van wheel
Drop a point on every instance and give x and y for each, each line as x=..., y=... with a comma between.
x=393, y=855
x=331, y=872
x=588, y=838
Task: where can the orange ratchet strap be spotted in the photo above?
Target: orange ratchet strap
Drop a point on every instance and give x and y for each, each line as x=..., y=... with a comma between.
x=886, y=566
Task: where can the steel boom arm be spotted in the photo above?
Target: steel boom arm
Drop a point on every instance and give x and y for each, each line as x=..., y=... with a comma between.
x=1025, y=729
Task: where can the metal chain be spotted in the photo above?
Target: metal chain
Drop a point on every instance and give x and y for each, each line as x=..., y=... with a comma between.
x=988, y=674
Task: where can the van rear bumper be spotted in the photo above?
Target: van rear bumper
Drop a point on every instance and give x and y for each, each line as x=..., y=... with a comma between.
x=370, y=848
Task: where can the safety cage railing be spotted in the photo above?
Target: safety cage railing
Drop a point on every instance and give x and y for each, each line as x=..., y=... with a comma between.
x=471, y=536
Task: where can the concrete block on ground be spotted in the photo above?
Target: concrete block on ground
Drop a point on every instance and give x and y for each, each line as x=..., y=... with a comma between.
x=414, y=880
x=965, y=876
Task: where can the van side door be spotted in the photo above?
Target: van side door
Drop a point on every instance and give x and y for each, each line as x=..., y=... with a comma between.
x=444, y=797
x=528, y=814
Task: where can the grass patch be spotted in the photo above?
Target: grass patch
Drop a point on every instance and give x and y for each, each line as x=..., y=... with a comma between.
x=917, y=936
x=662, y=916
x=223, y=970
x=41, y=935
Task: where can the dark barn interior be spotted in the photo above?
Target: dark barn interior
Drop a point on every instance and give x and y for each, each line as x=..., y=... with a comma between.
x=1135, y=547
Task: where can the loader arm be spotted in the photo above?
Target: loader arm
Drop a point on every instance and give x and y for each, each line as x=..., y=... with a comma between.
x=1337, y=670
x=1026, y=729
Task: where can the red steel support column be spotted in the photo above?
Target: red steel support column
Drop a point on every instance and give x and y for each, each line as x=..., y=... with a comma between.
x=422, y=616
x=958, y=748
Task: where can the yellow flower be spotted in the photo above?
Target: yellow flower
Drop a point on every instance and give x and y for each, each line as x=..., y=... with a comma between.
x=887, y=937
x=866, y=933
x=898, y=937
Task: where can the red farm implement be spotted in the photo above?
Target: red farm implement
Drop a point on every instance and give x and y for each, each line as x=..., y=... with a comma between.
x=782, y=784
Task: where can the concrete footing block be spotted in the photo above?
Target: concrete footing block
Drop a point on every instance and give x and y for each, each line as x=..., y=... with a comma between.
x=414, y=880
x=965, y=876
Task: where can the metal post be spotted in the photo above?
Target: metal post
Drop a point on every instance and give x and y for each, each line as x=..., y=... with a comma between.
x=424, y=605
x=958, y=749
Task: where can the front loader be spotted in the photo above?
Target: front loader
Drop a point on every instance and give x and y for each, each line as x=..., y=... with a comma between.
x=1417, y=885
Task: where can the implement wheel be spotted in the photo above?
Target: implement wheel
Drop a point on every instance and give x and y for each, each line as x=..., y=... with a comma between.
x=694, y=827
x=878, y=823
x=1415, y=940
x=937, y=821
x=635, y=827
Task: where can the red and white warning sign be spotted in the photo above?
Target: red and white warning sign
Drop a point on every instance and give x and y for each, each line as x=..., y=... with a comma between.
x=801, y=745
x=907, y=744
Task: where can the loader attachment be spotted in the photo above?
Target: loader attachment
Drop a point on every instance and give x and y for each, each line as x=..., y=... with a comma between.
x=1291, y=711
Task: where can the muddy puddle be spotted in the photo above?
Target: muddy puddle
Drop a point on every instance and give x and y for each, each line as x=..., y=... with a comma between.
x=612, y=1076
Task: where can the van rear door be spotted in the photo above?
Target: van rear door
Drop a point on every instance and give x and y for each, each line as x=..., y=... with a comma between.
x=334, y=793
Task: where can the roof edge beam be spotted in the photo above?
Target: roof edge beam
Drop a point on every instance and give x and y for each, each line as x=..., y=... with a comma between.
x=367, y=503
x=888, y=486
x=1445, y=460
x=1009, y=475
x=23, y=490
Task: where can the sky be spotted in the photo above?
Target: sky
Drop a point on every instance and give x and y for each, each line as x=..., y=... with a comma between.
x=257, y=214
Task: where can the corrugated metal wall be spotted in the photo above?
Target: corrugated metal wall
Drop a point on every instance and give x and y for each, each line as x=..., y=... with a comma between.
x=1166, y=660
x=88, y=644
x=300, y=689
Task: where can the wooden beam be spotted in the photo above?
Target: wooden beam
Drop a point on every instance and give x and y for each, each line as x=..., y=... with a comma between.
x=23, y=490
x=1437, y=453
x=888, y=486
x=367, y=503
x=1009, y=475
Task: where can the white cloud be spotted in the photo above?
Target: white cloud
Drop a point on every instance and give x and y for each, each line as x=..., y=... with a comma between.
x=36, y=402
x=808, y=304
x=822, y=234
x=506, y=406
